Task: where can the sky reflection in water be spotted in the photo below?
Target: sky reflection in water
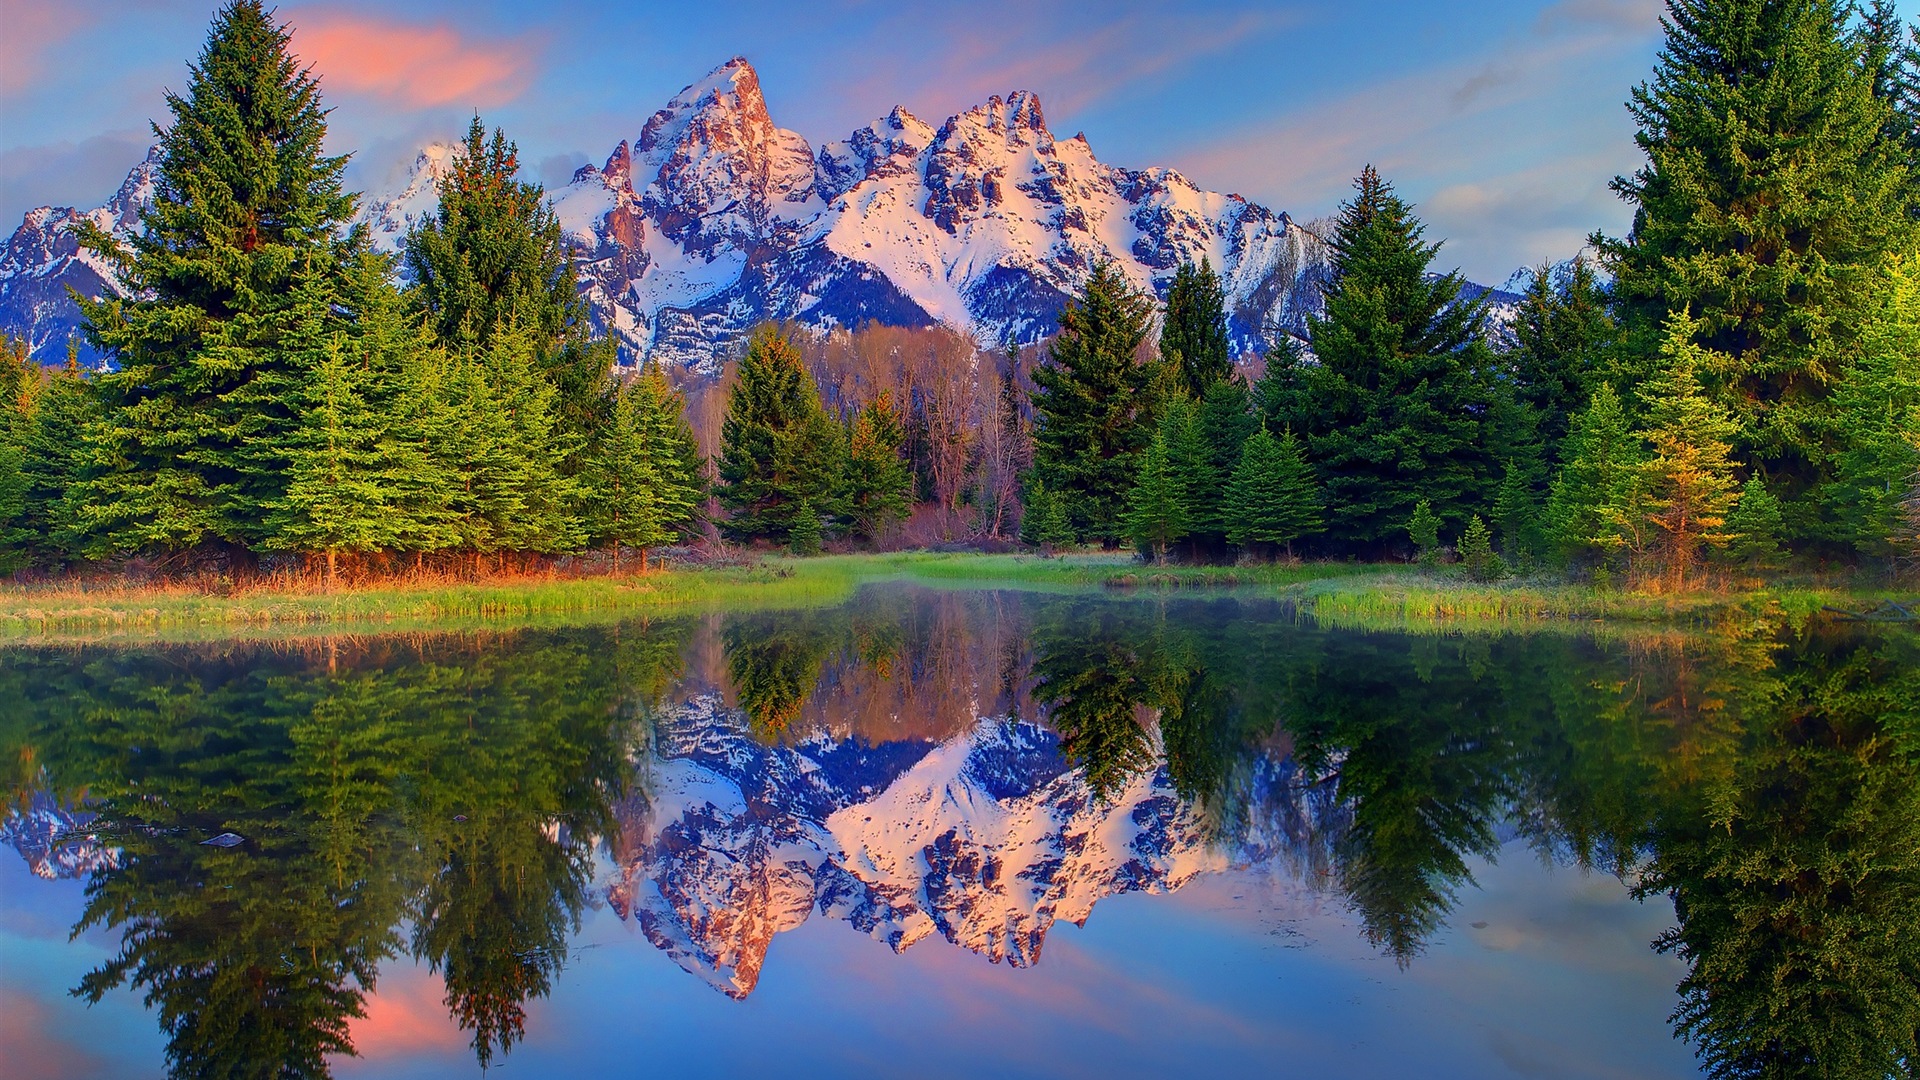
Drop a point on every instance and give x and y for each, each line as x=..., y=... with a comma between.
x=1355, y=852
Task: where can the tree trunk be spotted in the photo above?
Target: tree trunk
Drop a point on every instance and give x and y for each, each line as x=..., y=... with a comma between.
x=332, y=567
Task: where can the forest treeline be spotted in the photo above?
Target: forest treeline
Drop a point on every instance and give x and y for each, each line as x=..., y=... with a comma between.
x=1733, y=385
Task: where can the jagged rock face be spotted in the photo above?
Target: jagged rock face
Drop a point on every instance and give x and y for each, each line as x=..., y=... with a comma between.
x=713, y=219
x=986, y=839
x=47, y=835
x=43, y=259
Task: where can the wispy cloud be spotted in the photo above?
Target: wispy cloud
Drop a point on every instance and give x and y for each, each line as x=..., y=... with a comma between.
x=412, y=64
x=35, y=33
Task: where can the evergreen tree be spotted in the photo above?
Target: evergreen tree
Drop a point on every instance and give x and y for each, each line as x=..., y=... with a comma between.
x=879, y=483
x=1476, y=552
x=1157, y=507
x=1092, y=405
x=1043, y=521
x=1516, y=512
x=679, y=469
x=1591, y=498
x=1423, y=528
x=1754, y=528
x=624, y=505
x=343, y=468
x=493, y=256
x=1194, y=335
x=54, y=462
x=1563, y=335
x=1273, y=497
x=1399, y=407
x=1767, y=201
x=1224, y=423
x=1686, y=486
x=780, y=455
x=1879, y=411
x=244, y=202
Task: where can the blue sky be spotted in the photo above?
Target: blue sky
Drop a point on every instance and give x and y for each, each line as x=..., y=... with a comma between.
x=1502, y=119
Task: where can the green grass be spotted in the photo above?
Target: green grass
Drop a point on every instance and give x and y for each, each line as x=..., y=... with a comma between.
x=1342, y=594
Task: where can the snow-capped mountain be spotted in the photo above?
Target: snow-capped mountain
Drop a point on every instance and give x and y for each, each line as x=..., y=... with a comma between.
x=986, y=839
x=713, y=218
x=43, y=258
x=48, y=836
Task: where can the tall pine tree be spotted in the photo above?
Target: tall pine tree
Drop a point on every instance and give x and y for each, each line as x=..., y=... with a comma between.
x=879, y=485
x=1400, y=406
x=1274, y=498
x=1157, y=506
x=1092, y=407
x=244, y=202
x=1194, y=333
x=1769, y=196
x=1686, y=486
x=780, y=454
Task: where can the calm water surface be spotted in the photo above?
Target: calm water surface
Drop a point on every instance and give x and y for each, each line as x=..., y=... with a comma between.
x=966, y=834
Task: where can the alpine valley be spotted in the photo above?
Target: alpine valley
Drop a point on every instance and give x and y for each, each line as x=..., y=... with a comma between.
x=713, y=219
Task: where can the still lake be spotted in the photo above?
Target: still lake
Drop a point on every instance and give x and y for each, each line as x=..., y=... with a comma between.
x=966, y=833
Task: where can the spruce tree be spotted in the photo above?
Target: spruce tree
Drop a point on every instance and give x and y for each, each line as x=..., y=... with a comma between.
x=1754, y=528
x=1423, y=528
x=1399, y=407
x=1516, y=512
x=1686, y=486
x=1043, y=521
x=244, y=201
x=1591, y=498
x=55, y=459
x=1879, y=410
x=623, y=504
x=493, y=256
x=1157, y=506
x=1092, y=407
x=1563, y=339
x=780, y=454
x=341, y=469
x=1476, y=552
x=1273, y=497
x=879, y=485
x=679, y=470
x=1224, y=423
x=1768, y=198
x=1194, y=334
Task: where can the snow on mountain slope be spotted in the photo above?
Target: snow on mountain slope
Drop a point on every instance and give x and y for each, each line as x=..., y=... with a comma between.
x=47, y=835
x=43, y=258
x=986, y=839
x=713, y=218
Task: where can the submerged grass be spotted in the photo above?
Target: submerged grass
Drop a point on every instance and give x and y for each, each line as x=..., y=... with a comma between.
x=1338, y=594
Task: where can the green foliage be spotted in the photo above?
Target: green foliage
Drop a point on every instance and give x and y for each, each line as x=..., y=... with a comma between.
x=780, y=454
x=1754, y=528
x=1516, y=512
x=1767, y=201
x=1194, y=333
x=1157, y=507
x=1401, y=405
x=1093, y=404
x=1423, y=528
x=1224, y=425
x=492, y=257
x=1273, y=497
x=245, y=204
x=1563, y=337
x=643, y=476
x=1591, y=499
x=1477, y=556
x=1685, y=487
x=1044, y=522
x=1879, y=416
x=879, y=484
x=1090, y=679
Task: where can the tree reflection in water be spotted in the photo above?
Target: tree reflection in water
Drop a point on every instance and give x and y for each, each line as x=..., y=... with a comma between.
x=1765, y=776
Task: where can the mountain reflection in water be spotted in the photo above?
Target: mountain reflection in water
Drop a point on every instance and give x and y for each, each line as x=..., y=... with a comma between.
x=968, y=765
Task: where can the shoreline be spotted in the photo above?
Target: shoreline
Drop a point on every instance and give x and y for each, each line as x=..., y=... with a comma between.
x=1356, y=595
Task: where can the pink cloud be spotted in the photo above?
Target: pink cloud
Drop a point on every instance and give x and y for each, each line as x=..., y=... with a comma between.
x=419, y=65
x=34, y=30
x=407, y=1015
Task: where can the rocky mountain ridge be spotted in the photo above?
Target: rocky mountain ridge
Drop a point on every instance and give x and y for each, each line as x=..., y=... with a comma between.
x=712, y=218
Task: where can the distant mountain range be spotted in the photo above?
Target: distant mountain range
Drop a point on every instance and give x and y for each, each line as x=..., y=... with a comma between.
x=714, y=219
